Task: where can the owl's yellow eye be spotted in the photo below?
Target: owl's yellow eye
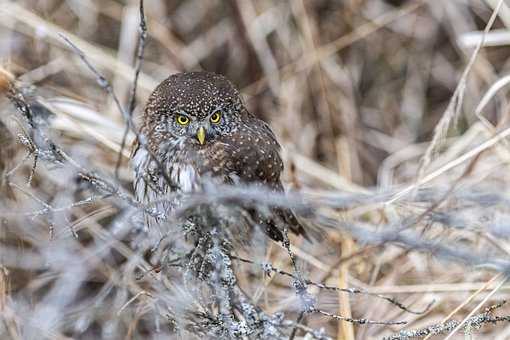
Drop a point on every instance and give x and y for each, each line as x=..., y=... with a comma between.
x=215, y=118
x=183, y=120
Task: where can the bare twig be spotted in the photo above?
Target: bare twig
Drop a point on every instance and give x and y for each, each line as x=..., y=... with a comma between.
x=268, y=267
x=132, y=97
x=357, y=321
x=472, y=323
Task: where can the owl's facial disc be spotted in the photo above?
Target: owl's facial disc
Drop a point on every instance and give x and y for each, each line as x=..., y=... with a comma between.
x=186, y=102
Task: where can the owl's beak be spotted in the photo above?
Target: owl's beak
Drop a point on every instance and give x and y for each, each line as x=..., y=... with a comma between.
x=201, y=135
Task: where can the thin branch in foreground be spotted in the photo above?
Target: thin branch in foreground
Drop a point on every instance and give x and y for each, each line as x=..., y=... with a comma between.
x=132, y=101
x=268, y=267
x=357, y=321
x=37, y=142
x=474, y=322
x=298, y=321
x=299, y=283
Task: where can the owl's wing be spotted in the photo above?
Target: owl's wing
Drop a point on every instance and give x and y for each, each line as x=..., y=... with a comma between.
x=256, y=160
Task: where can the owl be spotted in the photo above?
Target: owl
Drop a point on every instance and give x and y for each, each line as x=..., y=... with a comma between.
x=196, y=126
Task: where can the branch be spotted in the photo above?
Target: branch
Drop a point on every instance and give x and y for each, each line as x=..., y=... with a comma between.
x=139, y=60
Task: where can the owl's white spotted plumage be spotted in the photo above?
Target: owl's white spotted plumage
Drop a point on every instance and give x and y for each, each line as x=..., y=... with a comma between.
x=196, y=125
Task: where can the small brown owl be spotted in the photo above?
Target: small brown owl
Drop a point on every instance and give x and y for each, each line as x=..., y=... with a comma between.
x=196, y=125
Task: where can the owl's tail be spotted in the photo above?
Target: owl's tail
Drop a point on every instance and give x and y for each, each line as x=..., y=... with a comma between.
x=286, y=218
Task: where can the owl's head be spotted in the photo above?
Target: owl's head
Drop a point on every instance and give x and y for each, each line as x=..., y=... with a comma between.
x=194, y=106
